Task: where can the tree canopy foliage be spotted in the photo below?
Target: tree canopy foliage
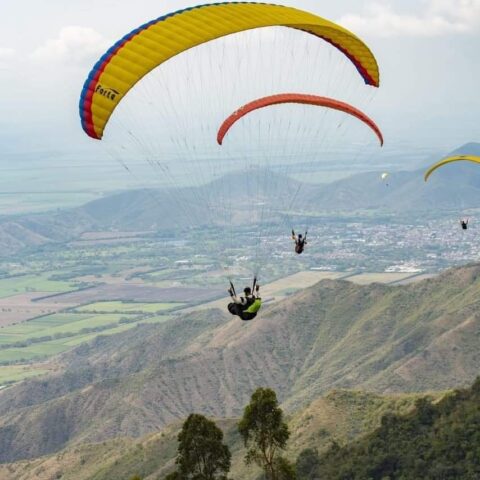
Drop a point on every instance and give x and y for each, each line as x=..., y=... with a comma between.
x=201, y=452
x=264, y=431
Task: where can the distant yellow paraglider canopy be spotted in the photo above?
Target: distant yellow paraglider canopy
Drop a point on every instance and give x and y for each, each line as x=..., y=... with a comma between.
x=445, y=161
x=155, y=42
x=385, y=176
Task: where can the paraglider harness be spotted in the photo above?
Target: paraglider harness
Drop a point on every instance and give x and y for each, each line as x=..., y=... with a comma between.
x=248, y=310
x=299, y=244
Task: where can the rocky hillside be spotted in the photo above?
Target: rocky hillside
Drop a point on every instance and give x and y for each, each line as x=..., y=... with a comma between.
x=333, y=335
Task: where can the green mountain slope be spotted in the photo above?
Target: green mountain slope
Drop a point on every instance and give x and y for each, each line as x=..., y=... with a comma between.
x=439, y=441
x=336, y=334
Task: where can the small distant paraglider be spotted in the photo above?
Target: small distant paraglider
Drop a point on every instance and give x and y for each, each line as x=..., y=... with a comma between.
x=385, y=176
x=300, y=241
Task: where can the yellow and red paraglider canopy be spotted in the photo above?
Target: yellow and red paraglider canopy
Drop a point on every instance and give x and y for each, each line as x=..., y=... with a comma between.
x=155, y=42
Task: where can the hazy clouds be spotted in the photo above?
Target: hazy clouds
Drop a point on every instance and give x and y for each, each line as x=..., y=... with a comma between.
x=72, y=44
x=431, y=18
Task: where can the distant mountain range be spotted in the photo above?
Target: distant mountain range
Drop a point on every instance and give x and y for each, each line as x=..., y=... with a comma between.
x=410, y=338
x=454, y=187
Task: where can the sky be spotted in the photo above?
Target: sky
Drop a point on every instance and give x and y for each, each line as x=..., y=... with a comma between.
x=427, y=51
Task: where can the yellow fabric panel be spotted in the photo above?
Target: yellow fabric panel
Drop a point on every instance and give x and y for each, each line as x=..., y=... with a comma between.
x=445, y=161
x=167, y=38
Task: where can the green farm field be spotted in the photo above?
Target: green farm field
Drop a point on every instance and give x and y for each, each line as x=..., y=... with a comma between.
x=47, y=336
x=55, y=324
x=33, y=283
x=37, y=351
x=16, y=373
x=127, y=307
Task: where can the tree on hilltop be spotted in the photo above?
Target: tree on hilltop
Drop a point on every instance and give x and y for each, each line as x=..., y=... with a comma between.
x=201, y=453
x=264, y=433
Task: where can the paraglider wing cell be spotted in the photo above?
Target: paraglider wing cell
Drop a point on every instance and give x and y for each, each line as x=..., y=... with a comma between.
x=155, y=42
x=296, y=98
x=445, y=161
